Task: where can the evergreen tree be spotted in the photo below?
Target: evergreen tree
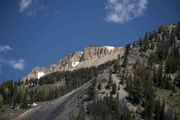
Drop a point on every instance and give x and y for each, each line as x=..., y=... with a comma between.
x=173, y=61
x=117, y=67
x=99, y=86
x=127, y=49
x=157, y=110
x=110, y=80
x=178, y=30
x=114, y=86
x=125, y=62
x=162, y=111
x=175, y=116
x=81, y=115
x=137, y=90
x=159, y=78
x=91, y=92
x=1, y=100
x=24, y=101
x=177, y=80
x=14, y=96
x=129, y=83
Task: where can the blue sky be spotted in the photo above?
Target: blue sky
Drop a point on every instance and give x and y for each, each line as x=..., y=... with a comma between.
x=40, y=32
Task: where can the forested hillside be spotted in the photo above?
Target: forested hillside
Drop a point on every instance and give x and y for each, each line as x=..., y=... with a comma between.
x=150, y=72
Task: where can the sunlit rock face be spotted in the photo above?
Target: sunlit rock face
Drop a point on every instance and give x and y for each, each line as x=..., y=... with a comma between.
x=97, y=52
x=91, y=56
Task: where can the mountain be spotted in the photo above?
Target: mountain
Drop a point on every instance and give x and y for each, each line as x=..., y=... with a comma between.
x=91, y=56
x=139, y=81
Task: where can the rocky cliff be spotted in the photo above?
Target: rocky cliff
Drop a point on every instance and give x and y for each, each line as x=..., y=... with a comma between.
x=91, y=56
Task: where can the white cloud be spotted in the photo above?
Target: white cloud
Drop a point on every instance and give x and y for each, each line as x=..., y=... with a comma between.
x=120, y=11
x=24, y=4
x=5, y=48
x=31, y=7
x=17, y=64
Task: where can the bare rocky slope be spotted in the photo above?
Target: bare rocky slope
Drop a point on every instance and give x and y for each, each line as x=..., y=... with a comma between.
x=91, y=56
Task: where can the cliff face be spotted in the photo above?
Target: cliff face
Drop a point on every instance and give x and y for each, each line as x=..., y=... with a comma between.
x=96, y=52
x=92, y=56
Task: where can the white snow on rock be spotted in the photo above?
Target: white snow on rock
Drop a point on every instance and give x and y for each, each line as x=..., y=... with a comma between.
x=109, y=47
x=81, y=52
x=74, y=64
x=40, y=74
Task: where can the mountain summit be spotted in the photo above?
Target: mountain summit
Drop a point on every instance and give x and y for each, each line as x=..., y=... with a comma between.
x=91, y=56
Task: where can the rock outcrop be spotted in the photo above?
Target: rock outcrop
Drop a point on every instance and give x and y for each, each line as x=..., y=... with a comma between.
x=92, y=56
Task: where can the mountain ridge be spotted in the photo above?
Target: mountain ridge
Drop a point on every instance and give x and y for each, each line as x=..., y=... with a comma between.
x=91, y=56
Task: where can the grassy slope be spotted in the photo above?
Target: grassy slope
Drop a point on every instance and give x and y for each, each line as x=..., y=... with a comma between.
x=171, y=101
x=5, y=113
x=174, y=102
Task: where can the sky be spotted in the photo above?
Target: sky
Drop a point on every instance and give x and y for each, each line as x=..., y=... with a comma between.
x=40, y=32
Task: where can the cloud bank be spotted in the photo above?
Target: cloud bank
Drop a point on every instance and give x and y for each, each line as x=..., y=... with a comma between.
x=5, y=48
x=18, y=64
x=120, y=11
x=24, y=4
x=30, y=7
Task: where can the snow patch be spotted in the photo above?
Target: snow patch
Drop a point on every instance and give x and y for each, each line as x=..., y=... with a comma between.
x=40, y=74
x=81, y=52
x=109, y=47
x=74, y=64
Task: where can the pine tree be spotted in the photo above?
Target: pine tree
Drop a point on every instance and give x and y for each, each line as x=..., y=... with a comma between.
x=162, y=111
x=149, y=94
x=125, y=62
x=137, y=90
x=114, y=86
x=160, y=76
x=99, y=86
x=178, y=30
x=110, y=80
x=175, y=116
x=24, y=101
x=173, y=61
x=129, y=83
x=127, y=49
x=1, y=100
x=91, y=92
x=157, y=110
x=177, y=80
x=81, y=115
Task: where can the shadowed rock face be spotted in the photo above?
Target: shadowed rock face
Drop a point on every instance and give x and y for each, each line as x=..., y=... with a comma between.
x=92, y=56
